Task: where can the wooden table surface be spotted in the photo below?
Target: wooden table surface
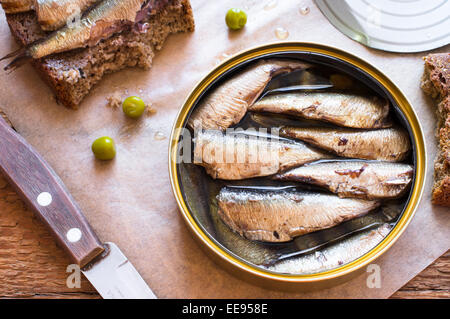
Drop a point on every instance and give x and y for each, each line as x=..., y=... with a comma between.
x=32, y=266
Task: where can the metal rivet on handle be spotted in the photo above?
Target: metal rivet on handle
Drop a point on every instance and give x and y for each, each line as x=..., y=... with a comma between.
x=74, y=235
x=44, y=199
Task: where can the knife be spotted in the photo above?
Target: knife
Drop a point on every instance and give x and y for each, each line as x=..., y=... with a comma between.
x=104, y=265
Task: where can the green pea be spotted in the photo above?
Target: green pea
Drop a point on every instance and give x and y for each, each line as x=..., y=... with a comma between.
x=236, y=19
x=133, y=107
x=104, y=148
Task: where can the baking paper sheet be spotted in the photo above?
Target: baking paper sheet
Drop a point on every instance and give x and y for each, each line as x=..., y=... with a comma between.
x=129, y=200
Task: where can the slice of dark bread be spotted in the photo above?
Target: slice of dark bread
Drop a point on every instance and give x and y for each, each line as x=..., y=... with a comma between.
x=72, y=75
x=436, y=83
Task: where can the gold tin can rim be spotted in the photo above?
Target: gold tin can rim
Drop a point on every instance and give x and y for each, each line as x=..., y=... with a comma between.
x=292, y=47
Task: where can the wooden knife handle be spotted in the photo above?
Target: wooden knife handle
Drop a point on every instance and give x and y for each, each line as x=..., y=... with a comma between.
x=44, y=192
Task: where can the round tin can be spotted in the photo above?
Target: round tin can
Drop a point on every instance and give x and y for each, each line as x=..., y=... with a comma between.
x=325, y=55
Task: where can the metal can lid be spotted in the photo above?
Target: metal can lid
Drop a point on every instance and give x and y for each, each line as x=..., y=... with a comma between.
x=391, y=25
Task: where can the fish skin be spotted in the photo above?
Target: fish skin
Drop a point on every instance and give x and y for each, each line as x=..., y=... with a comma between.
x=282, y=215
x=357, y=179
x=342, y=109
x=335, y=255
x=106, y=15
x=100, y=22
x=227, y=104
x=53, y=14
x=389, y=144
x=234, y=157
x=16, y=6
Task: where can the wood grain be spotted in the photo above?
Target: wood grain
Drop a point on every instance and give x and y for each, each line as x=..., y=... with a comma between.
x=433, y=282
x=32, y=266
x=30, y=175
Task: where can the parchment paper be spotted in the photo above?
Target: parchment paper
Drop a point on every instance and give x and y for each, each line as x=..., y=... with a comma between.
x=129, y=200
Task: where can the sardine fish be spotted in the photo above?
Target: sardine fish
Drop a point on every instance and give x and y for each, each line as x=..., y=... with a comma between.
x=389, y=144
x=279, y=216
x=103, y=20
x=241, y=156
x=346, y=110
x=227, y=104
x=359, y=179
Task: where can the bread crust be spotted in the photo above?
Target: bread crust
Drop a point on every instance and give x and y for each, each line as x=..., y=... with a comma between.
x=72, y=75
x=436, y=83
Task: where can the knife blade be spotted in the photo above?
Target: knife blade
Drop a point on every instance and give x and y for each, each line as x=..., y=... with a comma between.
x=127, y=283
x=104, y=265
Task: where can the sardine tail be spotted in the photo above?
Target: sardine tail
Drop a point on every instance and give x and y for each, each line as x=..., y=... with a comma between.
x=21, y=57
x=13, y=54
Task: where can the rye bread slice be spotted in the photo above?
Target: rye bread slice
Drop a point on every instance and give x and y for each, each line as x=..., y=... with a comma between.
x=436, y=83
x=72, y=75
